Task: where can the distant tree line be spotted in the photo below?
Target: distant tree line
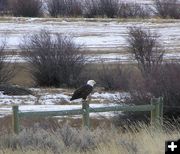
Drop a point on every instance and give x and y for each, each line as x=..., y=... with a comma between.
x=90, y=8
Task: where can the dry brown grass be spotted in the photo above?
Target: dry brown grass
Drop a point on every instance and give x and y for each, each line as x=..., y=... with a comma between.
x=137, y=141
x=22, y=76
x=54, y=123
x=8, y=151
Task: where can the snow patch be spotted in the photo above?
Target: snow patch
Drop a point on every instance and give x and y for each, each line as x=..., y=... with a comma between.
x=110, y=96
x=7, y=110
x=45, y=101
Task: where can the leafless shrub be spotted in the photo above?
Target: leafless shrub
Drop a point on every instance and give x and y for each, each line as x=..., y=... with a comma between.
x=95, y=8
x=137, y=89
x=26, y=8
x=68, y=135
x=166, y=82
x=86, y=140
x=109, y=8
x=6, y=68
x=57, y=141
x=74, y=8
x=145, y=49
x=116, y=140
x=115, y=8
x=129, y=10
x=91, y=9
x=168, y=9
x=55, y=7
x=77, y=139
x=147, y=52
x=55, y=59
x=156, y=79
x=129, y=119
x=69, y=8
x=30, y=138
x=3, y=7
x=113, y=77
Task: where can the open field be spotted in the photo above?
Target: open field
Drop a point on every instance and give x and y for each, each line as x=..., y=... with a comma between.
x=103, y=39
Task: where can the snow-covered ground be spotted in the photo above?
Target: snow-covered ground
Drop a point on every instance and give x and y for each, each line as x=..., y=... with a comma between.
x=98, y=35
x=103, y=38
x=98, y=58
x=53, y=101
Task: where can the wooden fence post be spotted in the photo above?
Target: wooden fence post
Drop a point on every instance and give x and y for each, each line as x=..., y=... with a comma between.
x=161, y=110
x=85, y=108
x=15, y=119
x=155, y=113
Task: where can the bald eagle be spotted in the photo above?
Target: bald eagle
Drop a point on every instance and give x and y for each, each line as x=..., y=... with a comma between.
x=83, y=91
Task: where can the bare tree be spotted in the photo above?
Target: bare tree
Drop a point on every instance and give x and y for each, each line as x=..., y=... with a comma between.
x=26, y=8
x=91, y=8
x=55, y=59
x=3, y=6
x=145, y=48
x=64, y=8
x=109, y=8
x=95, y=8
x=129, y=10
x=56, y=7
x=157, y=79
x=167, y=8
x=74, y=8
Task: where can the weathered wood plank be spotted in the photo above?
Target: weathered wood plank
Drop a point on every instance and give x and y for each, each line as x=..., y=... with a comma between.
x=123, y=108
x=85, y=119
x=80, y=111
x=155, y=113
x=161, y=110
x=51, y=113
x=15, y=119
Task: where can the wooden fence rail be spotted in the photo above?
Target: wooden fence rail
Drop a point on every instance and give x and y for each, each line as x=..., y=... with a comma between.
x=156, y=109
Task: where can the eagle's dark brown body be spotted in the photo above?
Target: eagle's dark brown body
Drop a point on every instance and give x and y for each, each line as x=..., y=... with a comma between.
x=82, y=92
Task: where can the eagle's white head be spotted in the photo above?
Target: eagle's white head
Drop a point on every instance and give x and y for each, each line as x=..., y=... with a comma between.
x=91, y=82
